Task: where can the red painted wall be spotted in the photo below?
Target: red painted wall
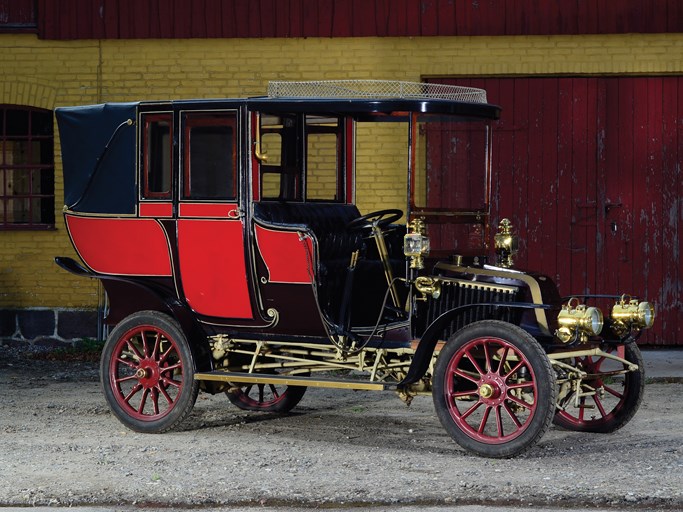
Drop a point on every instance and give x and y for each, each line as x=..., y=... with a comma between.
x=589, y=171
x=97, y=19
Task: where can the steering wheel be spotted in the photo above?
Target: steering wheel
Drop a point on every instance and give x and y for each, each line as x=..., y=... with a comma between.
x=380, y=218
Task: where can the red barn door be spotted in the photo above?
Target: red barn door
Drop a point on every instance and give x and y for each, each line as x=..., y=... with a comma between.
x=588, y=169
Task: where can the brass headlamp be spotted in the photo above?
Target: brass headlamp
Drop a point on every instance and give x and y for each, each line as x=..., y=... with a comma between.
x=578, y=322
x=629, y=314
x=416, y=243
x=506, y=244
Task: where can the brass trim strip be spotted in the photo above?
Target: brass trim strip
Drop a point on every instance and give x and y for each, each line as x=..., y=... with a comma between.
x=477, y=285
x=287, y=380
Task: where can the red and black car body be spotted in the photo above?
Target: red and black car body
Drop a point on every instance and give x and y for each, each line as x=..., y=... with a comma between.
x=227, y=236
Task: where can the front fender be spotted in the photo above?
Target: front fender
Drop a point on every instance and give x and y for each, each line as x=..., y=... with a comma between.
x=433, y=333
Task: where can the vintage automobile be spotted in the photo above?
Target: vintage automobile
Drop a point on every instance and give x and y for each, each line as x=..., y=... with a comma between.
x=227, y=236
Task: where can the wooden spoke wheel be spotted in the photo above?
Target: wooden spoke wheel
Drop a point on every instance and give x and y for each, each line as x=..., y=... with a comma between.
x=610, y=398
x=494, y=389
x=147, y=372
x=266, y=397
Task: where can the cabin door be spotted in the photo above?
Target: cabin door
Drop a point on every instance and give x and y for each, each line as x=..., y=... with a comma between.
x=211, y=231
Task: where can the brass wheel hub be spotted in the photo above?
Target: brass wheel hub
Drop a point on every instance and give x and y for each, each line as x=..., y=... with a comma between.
x=486, y=391
x=148, y=374
x=492, y=389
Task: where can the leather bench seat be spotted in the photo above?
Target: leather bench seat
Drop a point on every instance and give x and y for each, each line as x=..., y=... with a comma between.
x=328, y=221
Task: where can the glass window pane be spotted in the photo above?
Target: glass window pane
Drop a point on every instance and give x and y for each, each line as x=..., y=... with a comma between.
x=16, y=122
x=41, y=123
x=210, y=156
x=321, y=182
x=157, y=157
x=270, y=184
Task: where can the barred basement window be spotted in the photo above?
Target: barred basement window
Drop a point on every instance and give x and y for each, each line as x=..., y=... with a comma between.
x=18, y=15
x=27, y=198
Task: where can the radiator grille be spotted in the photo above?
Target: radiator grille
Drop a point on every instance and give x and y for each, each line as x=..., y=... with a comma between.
x=456, y=293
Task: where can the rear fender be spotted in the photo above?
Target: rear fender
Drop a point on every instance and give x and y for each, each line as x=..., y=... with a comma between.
x=128, y=295
x=433, y=334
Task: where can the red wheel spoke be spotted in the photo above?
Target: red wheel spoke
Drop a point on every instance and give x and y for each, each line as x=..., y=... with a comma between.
x=273, y=390
x=469, y=411
x=144, y=343
x=474, y=363
x=167, y=369
x=499, y=422
x=461, y=373
x=132, y=393
x=484, y=420
x=463, y=394
x=582, y=407
x=614, y=392
x=166, y=354
x=514, y=369
x=596, y=364
x=143, y=401
x=487, y=359
x=503, y=360
x=126, y=378
x=126, y=362
x=521, y=385
x=165, y=395
x=260, y=392
x=157, y=346
x=512, y=415
x=598, y=403
x=155, y=400
x=172, y=382
x=133, y=349
x=518, y=401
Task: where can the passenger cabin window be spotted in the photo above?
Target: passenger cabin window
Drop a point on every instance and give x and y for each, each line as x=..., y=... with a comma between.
x=157, y=155
x=304, y=158
x=209, y=155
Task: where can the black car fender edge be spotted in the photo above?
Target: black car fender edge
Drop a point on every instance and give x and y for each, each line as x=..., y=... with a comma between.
x=425, y=349
x=160, y=301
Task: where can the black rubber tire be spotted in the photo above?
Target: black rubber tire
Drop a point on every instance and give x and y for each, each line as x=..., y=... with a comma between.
x=613, y=411
x=147, y=373
x=266, y=397
x=495, y=406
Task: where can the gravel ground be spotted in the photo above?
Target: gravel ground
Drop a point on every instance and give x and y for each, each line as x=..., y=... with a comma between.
x=60, y=446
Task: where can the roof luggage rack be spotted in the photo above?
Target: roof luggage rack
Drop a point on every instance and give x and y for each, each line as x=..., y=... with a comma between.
x=375, y=89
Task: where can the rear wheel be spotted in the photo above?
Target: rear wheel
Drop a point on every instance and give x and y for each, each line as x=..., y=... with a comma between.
x=610, y=398
x=266, y=397
x=147, y=373
x=494, y=389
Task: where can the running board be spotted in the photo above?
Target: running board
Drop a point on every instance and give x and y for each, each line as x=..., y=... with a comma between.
x=291, y=380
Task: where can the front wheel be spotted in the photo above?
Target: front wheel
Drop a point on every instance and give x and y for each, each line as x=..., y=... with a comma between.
x=494, y=389
x=609, y=396
x=147, y=373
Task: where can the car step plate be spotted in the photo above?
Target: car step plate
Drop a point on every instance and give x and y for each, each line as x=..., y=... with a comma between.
x=289, y=380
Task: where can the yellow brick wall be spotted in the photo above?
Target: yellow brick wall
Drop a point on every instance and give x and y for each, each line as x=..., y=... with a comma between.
x=48, y=74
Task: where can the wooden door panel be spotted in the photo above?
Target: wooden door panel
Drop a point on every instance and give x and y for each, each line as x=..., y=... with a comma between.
x=588, y=169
